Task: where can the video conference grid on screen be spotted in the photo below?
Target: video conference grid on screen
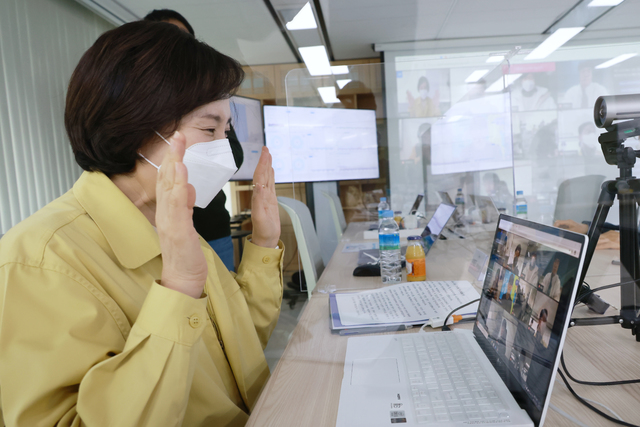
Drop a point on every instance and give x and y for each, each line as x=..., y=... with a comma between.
x=524, y=285
x=321, y=144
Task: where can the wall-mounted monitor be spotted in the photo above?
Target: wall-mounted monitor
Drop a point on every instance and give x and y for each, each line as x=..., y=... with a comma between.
x=321, y=144
x=246, y=118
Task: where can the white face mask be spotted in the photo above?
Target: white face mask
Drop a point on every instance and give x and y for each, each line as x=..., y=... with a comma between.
x=424, y=93
x=528, y=85
x=210, y=165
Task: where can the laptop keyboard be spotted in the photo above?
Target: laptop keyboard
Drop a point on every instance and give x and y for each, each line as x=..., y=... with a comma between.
x=447, y=382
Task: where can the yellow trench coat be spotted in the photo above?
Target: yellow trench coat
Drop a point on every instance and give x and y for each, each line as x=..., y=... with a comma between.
x=88, y=337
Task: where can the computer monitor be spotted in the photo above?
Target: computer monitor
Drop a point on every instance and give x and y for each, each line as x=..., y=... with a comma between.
x=246, y=118
x=321, y=144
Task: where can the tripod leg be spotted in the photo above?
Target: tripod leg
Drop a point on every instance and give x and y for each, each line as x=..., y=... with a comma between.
x=605, y=201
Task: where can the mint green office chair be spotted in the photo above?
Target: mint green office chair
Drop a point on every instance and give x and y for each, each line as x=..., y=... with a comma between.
x=307, y=239
x=336, y=213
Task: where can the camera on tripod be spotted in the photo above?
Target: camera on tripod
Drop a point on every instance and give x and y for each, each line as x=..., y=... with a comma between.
x=625, y=111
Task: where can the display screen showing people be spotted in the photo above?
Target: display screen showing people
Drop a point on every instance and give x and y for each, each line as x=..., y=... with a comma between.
x=527, y=303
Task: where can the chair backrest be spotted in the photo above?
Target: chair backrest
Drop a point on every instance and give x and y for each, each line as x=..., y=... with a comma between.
x=336, y=213
x=578, y=198
x=307, y=239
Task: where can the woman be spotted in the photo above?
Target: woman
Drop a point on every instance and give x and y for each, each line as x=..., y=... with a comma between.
x=114, y=311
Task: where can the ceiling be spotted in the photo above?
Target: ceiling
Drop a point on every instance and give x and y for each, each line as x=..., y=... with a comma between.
x=247, y=30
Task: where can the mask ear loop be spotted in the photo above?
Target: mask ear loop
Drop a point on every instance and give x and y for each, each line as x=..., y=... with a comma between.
x=149, y=161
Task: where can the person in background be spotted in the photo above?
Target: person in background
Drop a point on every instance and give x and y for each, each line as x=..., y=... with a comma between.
x=423, y=105
x=497, y=189
x=541, y=335
x=528, y=96
x=585, y=93
x=551, y=284
x=516, y=264
x=213, y=221
x=115, y=311
x=530, y=270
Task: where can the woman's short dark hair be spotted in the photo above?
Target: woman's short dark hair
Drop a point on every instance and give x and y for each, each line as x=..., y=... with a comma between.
x=136, y=79
x=164, y=15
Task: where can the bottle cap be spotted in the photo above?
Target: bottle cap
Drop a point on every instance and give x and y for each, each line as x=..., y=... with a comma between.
x=397, y=212
x=519, y=193
x=459, y=189
x=383, y=199
x=387, y=214
x=414, y=238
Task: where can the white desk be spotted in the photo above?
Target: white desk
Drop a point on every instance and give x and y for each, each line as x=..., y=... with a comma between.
x=304, y=389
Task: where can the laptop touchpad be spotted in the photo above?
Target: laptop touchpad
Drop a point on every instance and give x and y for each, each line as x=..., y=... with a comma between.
x=382, y=371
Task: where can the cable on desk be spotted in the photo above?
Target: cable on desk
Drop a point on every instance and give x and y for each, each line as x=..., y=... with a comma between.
x=593, y=408
x=594, y=383
x=602, y=405
x=444, y=325
x=567, y=416
x=590, y=291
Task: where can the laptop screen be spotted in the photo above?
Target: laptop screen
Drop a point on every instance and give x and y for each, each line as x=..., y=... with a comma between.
x=525, y=306
x=436, y=224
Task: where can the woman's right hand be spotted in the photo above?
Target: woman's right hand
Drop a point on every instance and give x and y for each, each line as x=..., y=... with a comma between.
x=184, y=267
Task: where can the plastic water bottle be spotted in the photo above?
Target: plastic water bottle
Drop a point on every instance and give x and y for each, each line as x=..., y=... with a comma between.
x=389, y=238
x=382, y=206
x=521, y=206
x=460, y=201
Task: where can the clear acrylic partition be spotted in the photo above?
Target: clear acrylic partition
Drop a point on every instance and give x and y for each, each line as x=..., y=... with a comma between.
x=462, y=122
x=434, y=134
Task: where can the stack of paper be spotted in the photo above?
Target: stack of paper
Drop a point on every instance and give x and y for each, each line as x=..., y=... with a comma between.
x=398, y=306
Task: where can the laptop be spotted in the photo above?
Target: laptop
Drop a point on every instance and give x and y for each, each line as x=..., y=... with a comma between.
x=430, y=234
x=416, y=204
x=457, y=216
x=502, y=372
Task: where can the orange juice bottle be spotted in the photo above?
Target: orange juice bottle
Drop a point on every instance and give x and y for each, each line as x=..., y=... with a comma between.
x=416, y=270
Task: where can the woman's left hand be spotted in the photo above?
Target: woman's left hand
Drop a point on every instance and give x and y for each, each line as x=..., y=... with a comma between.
x=264, y=204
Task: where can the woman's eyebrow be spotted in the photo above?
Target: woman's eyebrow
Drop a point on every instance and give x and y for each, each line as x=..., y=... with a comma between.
x=215, y=117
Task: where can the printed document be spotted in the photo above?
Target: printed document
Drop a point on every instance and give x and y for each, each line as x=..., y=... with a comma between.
x=404, y=303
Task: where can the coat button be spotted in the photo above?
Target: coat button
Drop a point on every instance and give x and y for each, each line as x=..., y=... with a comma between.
x=266, y=259
x=195, y=321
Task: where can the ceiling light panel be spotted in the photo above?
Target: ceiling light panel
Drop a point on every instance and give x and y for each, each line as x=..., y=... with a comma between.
x=342, y=82
x=328, y=94
x=304, y=20
x=604, y=3
x=475, y=76
x=616, y=60
x=503, y=82
x=316, y=60
x=553, y=42
x=340, y=69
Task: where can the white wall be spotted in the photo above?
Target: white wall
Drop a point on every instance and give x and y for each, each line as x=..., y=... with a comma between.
x=41, y=41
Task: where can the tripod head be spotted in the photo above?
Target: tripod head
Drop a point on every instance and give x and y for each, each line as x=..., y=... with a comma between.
x=608, y=109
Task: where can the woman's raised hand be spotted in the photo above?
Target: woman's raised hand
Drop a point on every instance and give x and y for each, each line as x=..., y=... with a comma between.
x=264, y=204
x=184, y=265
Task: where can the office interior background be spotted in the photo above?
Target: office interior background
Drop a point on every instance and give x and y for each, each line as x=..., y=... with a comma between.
x=488, y=96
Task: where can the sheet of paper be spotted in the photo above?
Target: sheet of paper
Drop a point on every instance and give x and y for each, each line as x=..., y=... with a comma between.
x=405, y=302
x=357, y=247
